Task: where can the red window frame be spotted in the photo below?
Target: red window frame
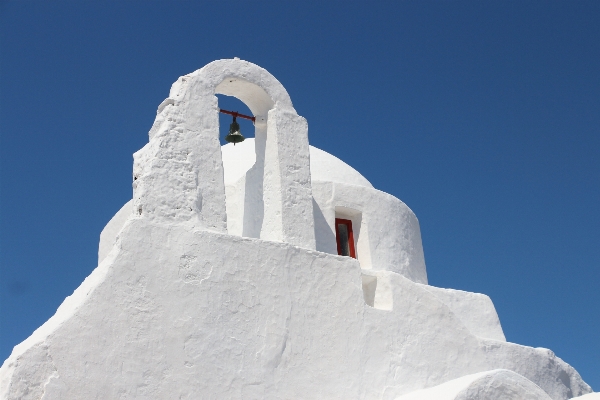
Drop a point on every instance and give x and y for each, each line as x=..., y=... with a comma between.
x=348, y=223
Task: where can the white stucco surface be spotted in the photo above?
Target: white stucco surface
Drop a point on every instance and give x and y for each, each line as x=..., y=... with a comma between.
x=489, y=385
x=589, y=396
x=220, y=279
x=476, y=311
x=177, y=313
x=111, y=230
x=238, y=159
x=386, y=231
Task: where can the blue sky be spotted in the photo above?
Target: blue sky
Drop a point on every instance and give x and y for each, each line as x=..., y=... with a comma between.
x=483, y=117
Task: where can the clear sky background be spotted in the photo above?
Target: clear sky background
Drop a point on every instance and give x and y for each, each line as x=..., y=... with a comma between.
x=482, y=116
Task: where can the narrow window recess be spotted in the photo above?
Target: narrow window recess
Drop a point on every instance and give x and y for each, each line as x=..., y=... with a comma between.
x=344, y=237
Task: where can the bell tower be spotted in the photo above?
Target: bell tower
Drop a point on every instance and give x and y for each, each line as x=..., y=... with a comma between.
x=178, y=175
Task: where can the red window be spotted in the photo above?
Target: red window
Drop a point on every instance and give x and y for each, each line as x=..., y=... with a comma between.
x=344, y=237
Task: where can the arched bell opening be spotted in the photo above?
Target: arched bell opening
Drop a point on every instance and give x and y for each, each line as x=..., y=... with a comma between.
x=244, y=190
x=179, y=174
x=276, y=192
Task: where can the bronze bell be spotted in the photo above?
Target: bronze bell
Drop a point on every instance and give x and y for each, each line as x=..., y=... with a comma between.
x=234, y=136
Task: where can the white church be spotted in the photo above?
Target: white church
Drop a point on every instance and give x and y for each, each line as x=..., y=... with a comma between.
x=267, y=269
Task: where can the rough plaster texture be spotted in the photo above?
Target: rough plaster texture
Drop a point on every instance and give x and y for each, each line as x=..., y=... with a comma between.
x=178, y=175
x=190, y=300
x=174, y=313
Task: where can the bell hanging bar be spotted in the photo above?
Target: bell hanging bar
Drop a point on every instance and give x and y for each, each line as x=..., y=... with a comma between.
x=237, y=114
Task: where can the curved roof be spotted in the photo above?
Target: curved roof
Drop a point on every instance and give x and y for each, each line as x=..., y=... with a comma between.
x=323, y=166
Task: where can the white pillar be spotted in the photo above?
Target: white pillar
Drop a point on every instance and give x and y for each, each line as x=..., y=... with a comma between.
x=287, y=190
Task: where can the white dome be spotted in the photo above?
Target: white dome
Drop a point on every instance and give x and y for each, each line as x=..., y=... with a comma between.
x=323, y=166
